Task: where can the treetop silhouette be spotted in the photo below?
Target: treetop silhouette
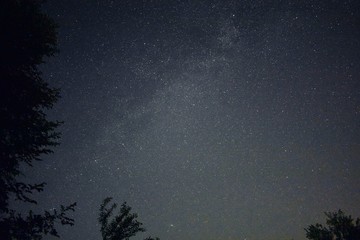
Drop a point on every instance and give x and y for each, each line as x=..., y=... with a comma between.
x=339, y=227
x=124, y=225
x=27, y=36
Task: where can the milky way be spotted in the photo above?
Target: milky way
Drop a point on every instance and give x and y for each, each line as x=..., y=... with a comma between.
x=212, y=119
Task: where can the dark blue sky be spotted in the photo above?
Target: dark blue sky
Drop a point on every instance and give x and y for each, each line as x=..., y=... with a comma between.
x=213, y=119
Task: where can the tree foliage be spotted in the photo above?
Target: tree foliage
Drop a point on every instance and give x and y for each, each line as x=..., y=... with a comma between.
x=27, y=37
x=122, y=226
x=34, y=226
x=339, y=227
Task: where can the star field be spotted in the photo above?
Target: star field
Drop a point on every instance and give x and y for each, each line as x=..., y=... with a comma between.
x=212, y=119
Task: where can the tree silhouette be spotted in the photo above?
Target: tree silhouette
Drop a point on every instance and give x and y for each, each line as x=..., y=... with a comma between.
x=339, y=227
x=27, y=36
x=122, y=226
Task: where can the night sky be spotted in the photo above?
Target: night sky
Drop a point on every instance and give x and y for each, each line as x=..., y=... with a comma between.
x=214, y=120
